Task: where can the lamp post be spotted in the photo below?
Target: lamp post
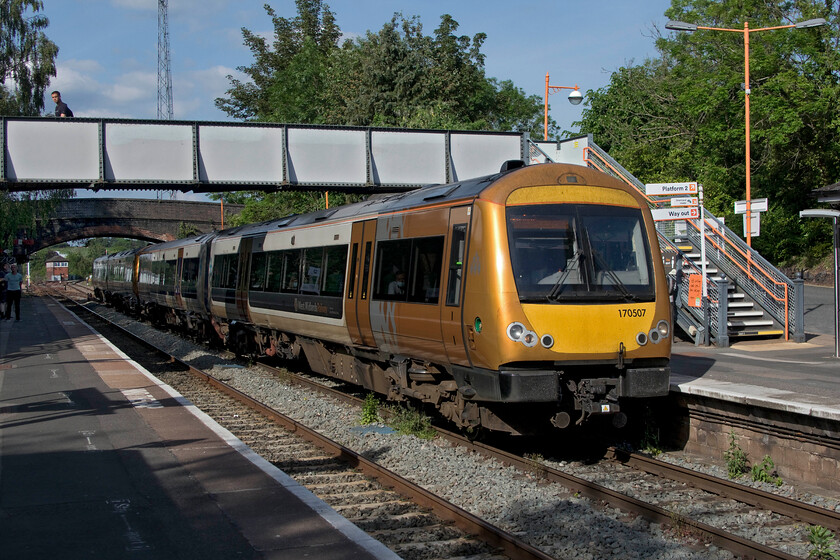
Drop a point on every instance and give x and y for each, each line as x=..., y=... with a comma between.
x=575, y=97
x=682, y=26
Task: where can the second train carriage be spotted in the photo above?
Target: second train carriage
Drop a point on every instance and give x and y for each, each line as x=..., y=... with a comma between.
x=523, y=299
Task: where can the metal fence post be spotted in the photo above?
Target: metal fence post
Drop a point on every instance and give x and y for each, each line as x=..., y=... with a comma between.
x=723, y=312
x=799, y=309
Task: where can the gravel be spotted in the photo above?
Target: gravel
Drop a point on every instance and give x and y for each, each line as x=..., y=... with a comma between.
x=547, y=516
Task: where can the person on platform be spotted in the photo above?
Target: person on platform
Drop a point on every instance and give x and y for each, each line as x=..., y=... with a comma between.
x=4, y=270
x=61, y=108
x=14, y=279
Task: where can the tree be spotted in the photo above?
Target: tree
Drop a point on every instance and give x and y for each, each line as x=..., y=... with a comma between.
x=20, y=211
x=396, y=77
x=27, y=61
x=681, y=116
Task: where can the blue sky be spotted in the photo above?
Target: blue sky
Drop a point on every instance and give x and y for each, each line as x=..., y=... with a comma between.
x=107, y=63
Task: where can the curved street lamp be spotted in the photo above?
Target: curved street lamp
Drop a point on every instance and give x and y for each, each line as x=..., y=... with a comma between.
x=683, y=26
x=575, y=97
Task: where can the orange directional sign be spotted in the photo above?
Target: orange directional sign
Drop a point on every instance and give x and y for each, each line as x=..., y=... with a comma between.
x=687, y=213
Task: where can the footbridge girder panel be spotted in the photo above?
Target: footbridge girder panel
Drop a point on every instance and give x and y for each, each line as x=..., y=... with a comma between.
x=45, y=153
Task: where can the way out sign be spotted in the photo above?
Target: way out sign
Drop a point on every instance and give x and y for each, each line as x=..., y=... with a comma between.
x=664, y=214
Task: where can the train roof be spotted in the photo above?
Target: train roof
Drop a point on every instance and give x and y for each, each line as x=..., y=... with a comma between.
x=373, y=206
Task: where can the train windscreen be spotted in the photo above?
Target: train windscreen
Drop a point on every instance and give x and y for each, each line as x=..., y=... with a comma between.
x=579, y=252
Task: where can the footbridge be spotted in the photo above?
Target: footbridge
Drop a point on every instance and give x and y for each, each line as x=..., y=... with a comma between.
x=49, y=153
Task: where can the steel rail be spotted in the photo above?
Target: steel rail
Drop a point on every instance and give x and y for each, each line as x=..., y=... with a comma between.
x=471, y=524
x=511, y=546
x=806, y=513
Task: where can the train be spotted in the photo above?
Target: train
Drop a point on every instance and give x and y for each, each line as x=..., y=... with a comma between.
x=531, y=299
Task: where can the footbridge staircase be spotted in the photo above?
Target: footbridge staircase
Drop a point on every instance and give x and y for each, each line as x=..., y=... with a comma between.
x=747, y=296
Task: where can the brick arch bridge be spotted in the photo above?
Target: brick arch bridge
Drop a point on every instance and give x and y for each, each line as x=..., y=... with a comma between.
x=149, y=220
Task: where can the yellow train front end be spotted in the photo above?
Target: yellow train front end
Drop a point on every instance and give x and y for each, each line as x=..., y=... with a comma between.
x=566, y=305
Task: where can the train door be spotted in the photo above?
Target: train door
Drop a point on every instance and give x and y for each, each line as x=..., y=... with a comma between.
x=179, y=271
x=357, y=297
x=246, y=248
x=451, y=319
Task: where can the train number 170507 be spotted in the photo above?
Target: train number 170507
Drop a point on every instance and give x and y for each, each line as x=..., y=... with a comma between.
x=631, y=312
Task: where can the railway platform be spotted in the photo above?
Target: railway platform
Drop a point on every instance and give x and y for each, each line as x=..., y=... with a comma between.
x=801, y=378
x=100, y=460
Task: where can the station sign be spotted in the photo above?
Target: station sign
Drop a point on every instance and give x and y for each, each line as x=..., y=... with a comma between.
x=668, y=189
x=755, y=223
x=756, y=205
x=678, y=201
x=664, y=214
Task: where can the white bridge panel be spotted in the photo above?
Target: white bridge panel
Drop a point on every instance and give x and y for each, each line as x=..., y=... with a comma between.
x=327, y=157
x=52, y=150
x=231, y=154
x=408, y=158
x=476, y=155
x=148, y=152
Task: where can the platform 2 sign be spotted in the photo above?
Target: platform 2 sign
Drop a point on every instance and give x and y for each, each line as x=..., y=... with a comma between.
x=685, y=213
x=670, y=189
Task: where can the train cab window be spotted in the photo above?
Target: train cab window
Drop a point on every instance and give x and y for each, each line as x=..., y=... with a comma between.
x=456, y=264
x=224, y=271
x=259, y=263
x=409, y=270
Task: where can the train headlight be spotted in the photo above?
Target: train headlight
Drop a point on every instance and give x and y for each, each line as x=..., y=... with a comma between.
x=653, y=336
x=664, y=328
x=515, y=331
x=547, y=341
x=529, y=339
x=641, y=339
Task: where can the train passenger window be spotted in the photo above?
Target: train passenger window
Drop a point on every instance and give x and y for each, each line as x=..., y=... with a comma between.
x=409, y=269
x=189, y=277
x=291, y=272
x=274, y=271
x=312, y=271
x=456, y=264
x=335, y=268
x=259, y=262
x=224, y=271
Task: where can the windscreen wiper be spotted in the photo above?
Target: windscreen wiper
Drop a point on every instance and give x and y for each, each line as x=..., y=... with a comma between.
x=558, y=287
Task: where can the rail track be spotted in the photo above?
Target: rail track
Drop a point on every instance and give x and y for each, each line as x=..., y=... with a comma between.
x=698, y=507
x=411, y=521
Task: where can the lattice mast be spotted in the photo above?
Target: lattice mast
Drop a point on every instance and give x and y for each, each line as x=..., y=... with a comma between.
x=164, y=94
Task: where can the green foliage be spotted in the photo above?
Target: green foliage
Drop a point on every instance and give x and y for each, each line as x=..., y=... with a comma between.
x=28, y=57
x=20, y=211
x=408, y=421
x=822, y=543
x=681, y=116
x=370, y=410
x=736, y=459
x=395, y=77
x=765, y=472
x=80, y=255
x=186, y=229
